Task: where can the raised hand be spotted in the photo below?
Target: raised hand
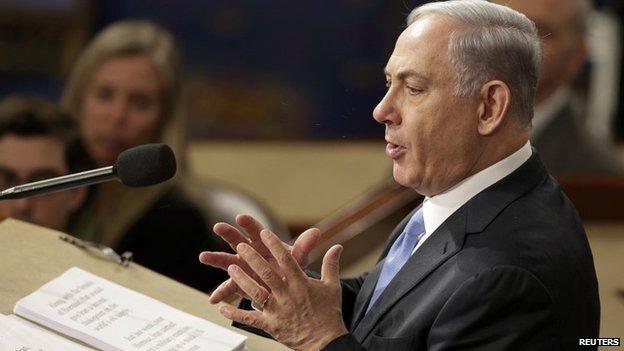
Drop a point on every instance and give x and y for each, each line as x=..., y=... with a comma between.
x=301, y=312
x=252, y=228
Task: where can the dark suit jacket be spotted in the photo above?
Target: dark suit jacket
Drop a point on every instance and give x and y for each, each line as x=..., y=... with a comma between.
x=565, y=146
x=509, y=270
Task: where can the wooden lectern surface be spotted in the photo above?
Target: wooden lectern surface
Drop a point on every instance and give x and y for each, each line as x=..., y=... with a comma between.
x=32, y=256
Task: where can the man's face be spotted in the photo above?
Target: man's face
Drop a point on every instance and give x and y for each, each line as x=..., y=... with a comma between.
x=432, y=134
x=121, y=107
x=25, y=159
x=564, y=50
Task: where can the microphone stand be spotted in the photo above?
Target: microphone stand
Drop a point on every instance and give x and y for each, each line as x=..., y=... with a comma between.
x=65, y=182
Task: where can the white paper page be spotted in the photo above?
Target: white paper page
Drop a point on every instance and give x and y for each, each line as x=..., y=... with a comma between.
x=54, y=336
x=111, y=317
x=18, y=336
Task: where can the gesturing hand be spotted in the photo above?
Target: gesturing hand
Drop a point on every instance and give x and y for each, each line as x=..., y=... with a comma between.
x=300, y=251
x=301, y=312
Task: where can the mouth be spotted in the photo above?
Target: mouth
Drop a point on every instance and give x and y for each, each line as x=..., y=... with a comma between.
x=395, y=151
x=109, y=143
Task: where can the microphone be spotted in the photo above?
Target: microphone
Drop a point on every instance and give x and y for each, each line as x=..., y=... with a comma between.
x=139, y=166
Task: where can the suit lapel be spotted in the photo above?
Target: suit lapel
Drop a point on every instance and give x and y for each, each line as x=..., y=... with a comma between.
x=365, y=294
x=444, y=242
x=441, y=245
x=485, y=206
x=366, y=291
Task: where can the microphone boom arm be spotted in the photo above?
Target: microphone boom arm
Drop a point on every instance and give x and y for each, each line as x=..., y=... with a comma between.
x=65, y=182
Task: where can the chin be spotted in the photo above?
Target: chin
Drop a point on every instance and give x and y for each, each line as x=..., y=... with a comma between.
x=404, y=178
x=412, y=180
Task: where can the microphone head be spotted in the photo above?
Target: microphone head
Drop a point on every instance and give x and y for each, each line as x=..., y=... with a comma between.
x=146, y=165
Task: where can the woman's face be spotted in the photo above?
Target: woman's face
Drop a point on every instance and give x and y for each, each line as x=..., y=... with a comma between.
x=121, y=107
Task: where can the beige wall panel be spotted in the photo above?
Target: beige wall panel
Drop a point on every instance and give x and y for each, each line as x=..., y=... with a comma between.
x=301, y=181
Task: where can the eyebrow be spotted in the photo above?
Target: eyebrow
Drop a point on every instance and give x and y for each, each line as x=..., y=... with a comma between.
x=407, y=74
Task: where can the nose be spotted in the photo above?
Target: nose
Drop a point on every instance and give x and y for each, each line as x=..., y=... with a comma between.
x=118, y=111
x=386, y=111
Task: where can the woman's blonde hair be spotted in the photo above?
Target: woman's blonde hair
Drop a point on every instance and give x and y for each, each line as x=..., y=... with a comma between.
x=129, y=38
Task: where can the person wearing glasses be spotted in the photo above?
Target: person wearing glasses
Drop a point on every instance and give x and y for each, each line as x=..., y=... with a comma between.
x=38, y=141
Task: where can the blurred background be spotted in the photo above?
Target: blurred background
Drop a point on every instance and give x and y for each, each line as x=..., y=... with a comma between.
x=283, y=77
x=284, y=70
x=304, y=70
x=280, y=96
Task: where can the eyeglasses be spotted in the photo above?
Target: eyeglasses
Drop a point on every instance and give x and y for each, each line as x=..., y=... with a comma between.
x=8, y=178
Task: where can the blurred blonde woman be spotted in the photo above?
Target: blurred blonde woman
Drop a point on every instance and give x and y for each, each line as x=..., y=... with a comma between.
x=125, y=90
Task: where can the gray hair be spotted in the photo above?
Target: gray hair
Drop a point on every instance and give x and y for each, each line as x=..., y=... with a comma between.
x=494, y=42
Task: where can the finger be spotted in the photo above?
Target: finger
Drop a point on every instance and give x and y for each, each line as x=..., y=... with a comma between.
x=261, y=267
x=225, y=290
x=223, y=260
x=304, y=244
x=251, y=318
x=330, y=269
x=289, y=267
x=221, y=292
x=218, y=259
x=251, y=226
x=230, y=234
x=257, y=293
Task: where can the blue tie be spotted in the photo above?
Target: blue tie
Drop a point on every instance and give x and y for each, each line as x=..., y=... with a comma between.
x=399, y=253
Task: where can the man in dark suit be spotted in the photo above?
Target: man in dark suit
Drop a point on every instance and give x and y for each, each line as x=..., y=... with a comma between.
x=560, y=133
x=567, y=147
x=496, y=257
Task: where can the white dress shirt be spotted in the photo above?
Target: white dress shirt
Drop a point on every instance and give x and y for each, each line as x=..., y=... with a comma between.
x=440, y=207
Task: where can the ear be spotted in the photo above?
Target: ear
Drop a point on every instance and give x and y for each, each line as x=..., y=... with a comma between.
x=494, y=100
x=78, y=197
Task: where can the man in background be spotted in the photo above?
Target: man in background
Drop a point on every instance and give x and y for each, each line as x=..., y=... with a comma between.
x=559, y=132
x=37, y=141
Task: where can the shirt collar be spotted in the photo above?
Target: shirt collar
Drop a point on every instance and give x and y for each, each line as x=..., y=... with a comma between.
x=439, y=207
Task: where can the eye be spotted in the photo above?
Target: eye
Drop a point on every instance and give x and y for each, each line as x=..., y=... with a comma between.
x=141, y=102
x=103, y=93
x=413, y=91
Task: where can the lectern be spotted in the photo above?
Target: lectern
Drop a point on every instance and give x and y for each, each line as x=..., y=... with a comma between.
x=30, y=256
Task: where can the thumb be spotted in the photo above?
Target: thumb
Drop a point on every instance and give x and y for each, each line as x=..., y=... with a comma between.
x=330, y=270
x=304, y=244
